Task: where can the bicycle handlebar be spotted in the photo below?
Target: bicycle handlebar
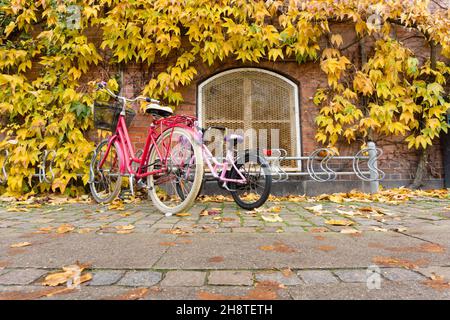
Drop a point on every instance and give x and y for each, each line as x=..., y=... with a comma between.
x=103, y=86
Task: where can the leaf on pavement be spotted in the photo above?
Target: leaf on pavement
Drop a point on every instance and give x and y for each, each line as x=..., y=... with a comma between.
x=272, y=218
x=278, y=247
x=339, y=222
x=379, y=229
x=64, y=228
x=133, y=294
x=350, y=231
x=397, y=262
x=20, y=244
x=216, y=259
x=326, y=248
x=183, y=214
x=17, y=209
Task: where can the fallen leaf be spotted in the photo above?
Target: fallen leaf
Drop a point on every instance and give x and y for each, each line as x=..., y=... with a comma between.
x=69, y=273
x=183, y=214
x=275, y=209
x=379, y=229
x=169, y=244
x=317, y=209
x=216, y=259
x=339, y=222
x=44, y=230
x=326, y=248
x=20, y=244
x=17, y=209
x=35, y=294
x=64, y=228
x=319, y=230
x=204, y=213
x=287, y=272
x=127, y=227
x=320, y=238
x=278, y=247
x=350, y=231
x=117, y=205
x=124, y=231
x=432, y=247
x=395, y=262
x=336, y=198
x=437, y=283
x=133, y=294
x=272, y=218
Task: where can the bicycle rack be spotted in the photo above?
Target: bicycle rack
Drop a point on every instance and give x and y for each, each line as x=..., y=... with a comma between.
x=4, y=173
x=318, y=165
x=42, y=175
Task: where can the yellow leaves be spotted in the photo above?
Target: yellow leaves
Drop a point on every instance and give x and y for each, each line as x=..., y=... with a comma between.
x=339, y=222
x=274, y=54
x=272, y=218
x=65, y=228
x=125, y=229
x=183, y=214
x=336, y=39
x=72, y=275
x=9, y=28
x=20, y=245
x=362, y=83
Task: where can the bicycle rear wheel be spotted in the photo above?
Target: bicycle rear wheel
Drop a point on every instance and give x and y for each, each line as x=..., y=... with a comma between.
x=257, y=172
x=105, y=182
x=176, y=189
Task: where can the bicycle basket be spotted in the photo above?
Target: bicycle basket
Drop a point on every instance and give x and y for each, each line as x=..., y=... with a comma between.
x=106, y=115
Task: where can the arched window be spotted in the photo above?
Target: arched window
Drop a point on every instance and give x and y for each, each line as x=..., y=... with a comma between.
x=252, y=99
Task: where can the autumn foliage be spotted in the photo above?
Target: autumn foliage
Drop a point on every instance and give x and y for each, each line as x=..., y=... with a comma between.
x=391, y=92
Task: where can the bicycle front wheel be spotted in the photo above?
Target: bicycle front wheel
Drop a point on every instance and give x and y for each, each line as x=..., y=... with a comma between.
x=105, y=181
x=176, y=188
x=255, y=169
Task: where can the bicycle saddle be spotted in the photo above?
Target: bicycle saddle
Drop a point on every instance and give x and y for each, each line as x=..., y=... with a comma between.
x=158, y=111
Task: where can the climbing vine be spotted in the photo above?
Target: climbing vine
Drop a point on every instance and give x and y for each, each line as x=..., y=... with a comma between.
x=49, y=61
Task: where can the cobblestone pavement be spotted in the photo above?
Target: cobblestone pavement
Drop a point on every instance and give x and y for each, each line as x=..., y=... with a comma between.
x=385, y=251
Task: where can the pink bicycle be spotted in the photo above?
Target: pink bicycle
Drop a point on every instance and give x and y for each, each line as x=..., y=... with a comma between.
x=173, y=179
x=246, y=175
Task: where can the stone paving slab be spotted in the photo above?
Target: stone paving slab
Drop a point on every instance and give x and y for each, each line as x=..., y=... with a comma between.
x=237, y=278
x=140, y=278
x=317, y=277
x=21, y=276
x=289, y=279
x=106, y=277
x=111, y=251
x=184, y=279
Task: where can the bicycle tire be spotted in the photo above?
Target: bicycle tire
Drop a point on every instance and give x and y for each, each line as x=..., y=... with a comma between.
x=189, y=200
x=249, y=156
x=118, y=184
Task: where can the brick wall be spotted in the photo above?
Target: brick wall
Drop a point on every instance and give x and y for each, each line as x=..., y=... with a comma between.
x=397, y=161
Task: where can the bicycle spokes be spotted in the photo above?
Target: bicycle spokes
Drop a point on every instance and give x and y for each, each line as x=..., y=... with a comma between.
x=105, y=173
x=176, y=184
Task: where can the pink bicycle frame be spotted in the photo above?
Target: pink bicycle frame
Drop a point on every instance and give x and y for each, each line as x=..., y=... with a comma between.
x=126, y=151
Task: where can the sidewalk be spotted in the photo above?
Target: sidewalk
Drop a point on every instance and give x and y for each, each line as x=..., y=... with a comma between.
x=227, y=253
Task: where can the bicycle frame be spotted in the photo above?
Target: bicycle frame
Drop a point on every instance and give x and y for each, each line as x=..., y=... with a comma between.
x=215, y=165
x=126, y=150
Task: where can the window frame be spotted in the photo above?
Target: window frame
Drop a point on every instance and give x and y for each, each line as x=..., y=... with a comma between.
x=293, y=85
